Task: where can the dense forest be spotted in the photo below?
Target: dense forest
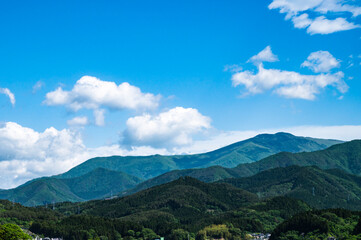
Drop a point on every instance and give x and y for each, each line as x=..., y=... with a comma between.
x=186, y=208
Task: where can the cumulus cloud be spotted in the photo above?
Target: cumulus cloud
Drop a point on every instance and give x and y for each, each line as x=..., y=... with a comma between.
x=95, y=94
x=292, y=84
x=168, y=129
x=8, y=93
x=78, y=121
x=266, y=55
x=26, y=154
x=288, y=84
x=297, y=11
x=321, y=25
x=321, y=61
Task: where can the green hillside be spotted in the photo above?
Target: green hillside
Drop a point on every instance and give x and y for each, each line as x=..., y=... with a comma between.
x=319, y=188
x=251, y=150
x=96, y=184
x=344, y=156
x=210, y=174
x=320, y=224
x=99, y=177
x=190, y=204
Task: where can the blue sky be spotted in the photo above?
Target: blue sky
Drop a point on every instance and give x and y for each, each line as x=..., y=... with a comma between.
x=174, y=56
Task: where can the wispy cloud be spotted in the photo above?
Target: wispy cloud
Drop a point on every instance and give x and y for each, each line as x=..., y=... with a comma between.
x=37, y=86
x=298, y=11
x=8, y=93
x=78, y=121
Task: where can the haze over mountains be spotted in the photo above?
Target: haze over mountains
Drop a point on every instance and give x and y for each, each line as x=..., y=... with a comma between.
x=100, y=177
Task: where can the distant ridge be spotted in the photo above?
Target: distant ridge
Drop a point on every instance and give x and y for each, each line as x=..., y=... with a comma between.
x=344, y=156
x=97, y=184
x=104, y=176
x=247, y=151
x=319, y=188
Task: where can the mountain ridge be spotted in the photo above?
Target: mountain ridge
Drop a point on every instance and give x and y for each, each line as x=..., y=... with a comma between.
x=97, y=184
x=345, y=156
x=246, y=151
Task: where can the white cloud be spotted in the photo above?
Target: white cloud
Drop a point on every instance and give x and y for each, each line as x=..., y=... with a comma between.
x=78, y=121
x=321, y=25
x=232, y=68
x=297, y=11
x=338, y=6
x=92, y=93
x=38, y=85
x=168, y=129
x=265, y=55
x=8, y=93
x=321, y=61
x=301, y=21
x=26, y=154
x=287, y=83
x=99, y=117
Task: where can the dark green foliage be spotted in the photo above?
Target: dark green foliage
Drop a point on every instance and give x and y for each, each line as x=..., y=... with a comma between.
x=285, y=205
x=318, y=188
x=96, y=184
x=319, y=224
x=88, y=227
x=210, y=174
x=20, y=215
x=186, y=199
x=345, y=156
x=357, y=229
x=302, y=223
x=191, y=205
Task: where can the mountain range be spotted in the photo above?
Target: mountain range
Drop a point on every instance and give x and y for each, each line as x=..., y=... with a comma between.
x=104, y=176
x=98, y=183
x=247, y=151
x=345, y=156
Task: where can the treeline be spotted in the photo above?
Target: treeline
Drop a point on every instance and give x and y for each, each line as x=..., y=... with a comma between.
x=320, y=224
x=89, y=227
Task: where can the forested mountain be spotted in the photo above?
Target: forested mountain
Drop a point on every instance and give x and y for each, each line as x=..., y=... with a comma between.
x=320, y=224
x=247, y=151
x=99, y=177
x=318, y=188
x=345, y=156
x=190, y=204
x=175, y=210
x=96, y=184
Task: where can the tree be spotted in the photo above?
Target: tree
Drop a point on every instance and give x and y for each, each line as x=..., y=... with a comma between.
x=11, y=231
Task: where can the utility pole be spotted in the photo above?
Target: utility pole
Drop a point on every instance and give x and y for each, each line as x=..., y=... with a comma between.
x=313, y=191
